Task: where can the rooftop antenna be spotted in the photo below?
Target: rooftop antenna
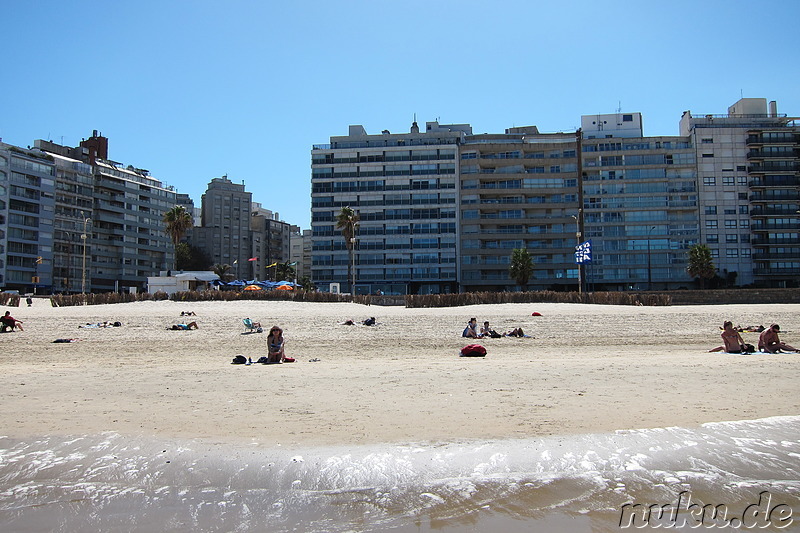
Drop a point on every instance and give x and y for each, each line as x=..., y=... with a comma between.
x=741, y=93
x=619, y=106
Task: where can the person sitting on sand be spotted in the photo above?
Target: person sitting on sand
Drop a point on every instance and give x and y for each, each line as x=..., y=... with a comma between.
x=487, y=331
x=769, y=341
x=275, y=345
x=471, y=331
x=179, y=327
x=10, y=322
x=516, y=332
x=369, y=322
x=732, y=339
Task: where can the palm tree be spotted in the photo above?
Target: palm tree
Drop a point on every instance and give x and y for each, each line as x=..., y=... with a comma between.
x=178, y=222
x=223, y=271
x=306, y=283
x=285, y=271
x=701, y=264
x=347, y=220
x=521, y=267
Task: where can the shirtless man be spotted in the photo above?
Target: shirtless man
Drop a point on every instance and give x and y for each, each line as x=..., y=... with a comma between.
x=734, y=343
x=769, y=342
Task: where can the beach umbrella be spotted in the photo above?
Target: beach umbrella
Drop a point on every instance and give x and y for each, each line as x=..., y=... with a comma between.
x=252, y=288
x=284, y=288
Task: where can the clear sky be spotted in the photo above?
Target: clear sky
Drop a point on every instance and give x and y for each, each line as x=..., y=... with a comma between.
x=192, y=90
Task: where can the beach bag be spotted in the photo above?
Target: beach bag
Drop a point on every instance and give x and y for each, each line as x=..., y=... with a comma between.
x=473, y=350
x=748, y=348
x=239, y=360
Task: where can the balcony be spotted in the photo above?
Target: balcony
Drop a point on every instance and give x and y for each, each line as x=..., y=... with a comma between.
x=787, y=153
x=789, y=210
x=774, y=166
x=775, y=227
x=775, y=196
x=788, y=271
x=764, y=240
x=782, y=256
x=776, y=181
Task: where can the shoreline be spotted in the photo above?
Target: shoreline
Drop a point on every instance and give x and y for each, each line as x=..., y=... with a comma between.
x=587, y=369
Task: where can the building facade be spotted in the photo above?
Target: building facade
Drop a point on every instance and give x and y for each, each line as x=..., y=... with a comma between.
x=404, y=189
x=731, y=182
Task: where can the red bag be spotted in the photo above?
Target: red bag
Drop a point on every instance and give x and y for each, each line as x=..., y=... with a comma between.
x=473, y=350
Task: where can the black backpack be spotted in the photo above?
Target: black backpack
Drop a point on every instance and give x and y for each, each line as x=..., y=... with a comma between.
x=239, y=360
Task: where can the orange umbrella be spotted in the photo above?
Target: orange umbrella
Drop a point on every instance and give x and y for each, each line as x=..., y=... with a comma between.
x=252, y=288
x=284, y=288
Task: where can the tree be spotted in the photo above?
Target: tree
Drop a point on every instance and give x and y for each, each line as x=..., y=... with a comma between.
x=521, y=267
x=347, y=220
x=701, y=264
x=306, y=283
x=178, y=222
x=224, y=272
x=285, y=271
x=189, y=257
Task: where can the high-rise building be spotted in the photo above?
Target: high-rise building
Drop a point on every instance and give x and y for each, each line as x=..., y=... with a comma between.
x=403, y=187
x=27, y=205
x=729, y=181
x=748, y=164
x=224, y=233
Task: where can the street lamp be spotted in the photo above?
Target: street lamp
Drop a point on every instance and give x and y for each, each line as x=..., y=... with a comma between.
x=353, y=248
x=83, y=269
x=578, y=237
x=649, y=270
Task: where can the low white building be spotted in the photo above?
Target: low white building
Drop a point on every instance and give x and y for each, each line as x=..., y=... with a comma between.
x=170, y=282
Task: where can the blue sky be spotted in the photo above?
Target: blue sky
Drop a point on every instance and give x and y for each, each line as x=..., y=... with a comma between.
x=192, y=90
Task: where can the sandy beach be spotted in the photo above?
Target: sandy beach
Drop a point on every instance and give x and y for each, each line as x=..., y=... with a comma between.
x=585, y=369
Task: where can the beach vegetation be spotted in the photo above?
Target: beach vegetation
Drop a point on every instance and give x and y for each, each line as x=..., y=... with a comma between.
x=521, y=268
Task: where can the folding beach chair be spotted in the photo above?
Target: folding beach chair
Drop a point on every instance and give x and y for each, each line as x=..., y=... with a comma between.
x=249, y=325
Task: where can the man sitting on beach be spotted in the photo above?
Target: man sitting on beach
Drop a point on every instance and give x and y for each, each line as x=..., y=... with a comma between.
x=734, y=343
x=769, y=342
x=10, y=322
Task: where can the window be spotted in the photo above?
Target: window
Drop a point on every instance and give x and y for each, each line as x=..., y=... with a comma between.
x=711, y=224
x=730, y=238
x=707, y=140
x=708, y=155
x=742, y=196
x=711, y=210
x=742, y=181
x=743, y=210
x=730, y=212
x=730, y=224
x=714, y=253
x=712, y=238
x=744, y=237
x=729, y=181
x=731, y=252
x=745, y=252
x=741, y=168
x=744, y=223
x=627, y=118
x=709, y=181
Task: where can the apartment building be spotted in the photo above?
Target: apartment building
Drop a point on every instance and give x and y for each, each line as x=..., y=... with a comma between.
x=729, y=181
x=224, y=233
x=27, y=205
x=748, y=164
x=518, y=190
x=403, y=186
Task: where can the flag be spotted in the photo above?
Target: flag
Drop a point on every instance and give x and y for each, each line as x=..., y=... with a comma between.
x=272, y=265
x=235, y=261
x=583, y=252
x=293, y=263
x=253, y=259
